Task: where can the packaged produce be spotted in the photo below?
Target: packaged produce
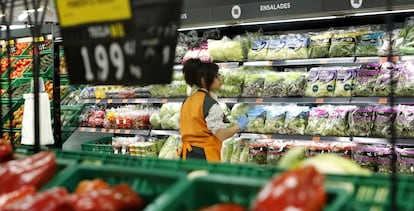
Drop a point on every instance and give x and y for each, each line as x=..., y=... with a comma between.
x=360, y=121
x=384, y=157
x=275, y=119
x=226, y=49
x=312, y=82
x=181, y=48
x=365, y=156
x=327, y=80
x=277, y=48
x=229, y=91
x=296, y=120
x=170, y=148
x=387, y=75
x=366, y=79
x=345, y=77
x=275, y=151
x=383, y=119
x=306, y=180
x=169, y=115
x=404, y=122
x=320, y=44
x=343, y=149
x=227, y=150
x=369, y=43
x=406, y=160
x=405, y=85
x=174, y=89
x=240, y=151
x=254, y=83
x=223, y=207
x=407, y=33
x=237, y=110
x=144, y=149
x=315, y=149
x=232, y=76
x=198, y=52
x=259, y=48
x=337, y=123
x=274, y=85
x=343, y=43
x=297, y=46
x=257, y=120
x=391, y=41
x=294, y=84
x=317, y=121
x=92, y=116
x=155, y=120
x=257, y=152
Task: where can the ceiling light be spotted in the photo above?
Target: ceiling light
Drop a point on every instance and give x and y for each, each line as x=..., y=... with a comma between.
x=382, y=12
x=23, y=16
x=288, y=20
x=202, y=27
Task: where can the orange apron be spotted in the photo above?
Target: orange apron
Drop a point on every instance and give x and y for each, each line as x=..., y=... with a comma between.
x=193, y=127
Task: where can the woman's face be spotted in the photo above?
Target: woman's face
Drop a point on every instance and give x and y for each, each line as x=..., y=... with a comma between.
x=216, y=85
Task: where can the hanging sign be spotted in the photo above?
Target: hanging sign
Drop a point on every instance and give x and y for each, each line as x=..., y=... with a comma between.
x=125, y=42
x=11, y=46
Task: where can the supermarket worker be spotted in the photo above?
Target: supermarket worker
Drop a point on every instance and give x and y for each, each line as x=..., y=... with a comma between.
x=202, y=124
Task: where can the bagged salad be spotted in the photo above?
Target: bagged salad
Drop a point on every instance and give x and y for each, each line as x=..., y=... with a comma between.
x=240, y=151
x=366, y=79
x=320, y=44
x=254, y=83
x=259, y=46
x=227, y=150
x=274, y=85
x=275, y=119
x=337, y=123
x=312, y=82
x=257, y=152
x=297, y=46
x=360, y=121
x=404, y=121
x=383, y=116
x=294, y=84
x=369, y=43
x=343, y=43
x=170, y=147
x=257, y=120
x=277, y=49
x=407, y=34
x=387, y=74
x=391, y=40
x=318, y=119
x=296, y=120
x=345, y=81
x=405, y=85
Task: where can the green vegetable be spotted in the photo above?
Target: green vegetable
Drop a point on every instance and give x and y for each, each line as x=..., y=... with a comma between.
x=366, y=79
x=292, y=158
x=294, y=84
x=345, y=81
x=369, y=43
x=360, y=121
x=317, y=121
x=258, y=50
x=312, y=82
x=257, y=153
x=253, y=84
x=169, y=149
x=296, y=120
x=404, y=122
x=328, y=163
x=297, y=46
x=155, y=121
x=273, y=85
x=382, y=121
x=275, y=120
x=277, y=48
x=320, y=44
x=343, y=44
x=227, y=150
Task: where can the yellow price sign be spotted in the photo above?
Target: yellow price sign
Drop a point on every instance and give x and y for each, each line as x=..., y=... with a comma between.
x=79, y=12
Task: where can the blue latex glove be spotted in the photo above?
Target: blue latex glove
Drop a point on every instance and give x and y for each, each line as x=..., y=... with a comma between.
x=242, y=122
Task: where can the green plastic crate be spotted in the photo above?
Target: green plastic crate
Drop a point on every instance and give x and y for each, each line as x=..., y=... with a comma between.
x=6, y=74
x=230, y=189
x=374, y=192
x=17, y=83
x=151, y=185
x=102, y=145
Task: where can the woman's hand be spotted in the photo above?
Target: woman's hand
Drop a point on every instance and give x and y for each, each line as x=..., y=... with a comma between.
x=242, y=122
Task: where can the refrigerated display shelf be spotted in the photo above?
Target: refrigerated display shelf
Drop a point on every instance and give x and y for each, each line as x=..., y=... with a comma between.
x=117, y=131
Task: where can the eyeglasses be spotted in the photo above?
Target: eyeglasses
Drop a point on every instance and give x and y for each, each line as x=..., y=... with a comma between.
x=218, y=76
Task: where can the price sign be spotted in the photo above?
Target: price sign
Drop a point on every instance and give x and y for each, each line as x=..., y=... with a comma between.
x=120, y=41
x=41, y=44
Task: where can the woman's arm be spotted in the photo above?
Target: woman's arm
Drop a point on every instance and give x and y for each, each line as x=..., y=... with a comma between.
x=226, y=133
x=216, y=125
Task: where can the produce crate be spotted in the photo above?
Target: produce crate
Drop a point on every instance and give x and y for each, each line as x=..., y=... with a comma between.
x=5, y=75
x=102, y=145
x=17, y=83
x=230, y=189
x=151, y=185
x=374, y=192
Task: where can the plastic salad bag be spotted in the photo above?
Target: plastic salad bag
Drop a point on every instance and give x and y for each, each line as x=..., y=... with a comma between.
x=320, y=44
x=277, y=48
x=296, y=120
x=345, y=81
x=383, y=116
x=317, y=121
x=273, y=85
x=360, y=121
x=405, y=85
x=257, y=120
x=343, y=43
x=369, y=43
x=275, y=119
x=297, y=46
x=366, y=79
x=404, y=121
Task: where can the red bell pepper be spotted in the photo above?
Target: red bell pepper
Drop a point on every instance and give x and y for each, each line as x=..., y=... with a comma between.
x=91, y=185
x=54, y=199
x=119, y=198
x=300, y=189
x=6, y=150
x=34, y=170
x=224, y=207
x=9, y=198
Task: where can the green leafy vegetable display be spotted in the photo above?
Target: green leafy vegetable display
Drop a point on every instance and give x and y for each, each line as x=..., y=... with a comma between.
x=229, y=91
x=297, y=46
x=258, y=49
x=257, y=152
x=275, y=151
x=404, y=122
x=369, y=43
x=155, y=120
x=343, y=44
x=407, y=33
x=382, y=121
x=277, y=48
x=294, y=84
x=296, y=120
x=317, y=121
x=320, y=44
x=345, y=81
x=405, y=85
x=337, y=123
x=257, y=120
x=227, y=150
x=275, y=119
x=312, y=82
x=169, y=149
x=226, y=49
x=365, y=156
x=254, y=83
x=360, y=121
x=388, y=73
x=366, y=79
x=274, y=85
x=327, y=81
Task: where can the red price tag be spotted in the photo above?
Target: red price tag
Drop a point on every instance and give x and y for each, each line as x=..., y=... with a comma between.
x=319, y=100
x=165, y=100
x=316, y=138
x=109, y=100
x=383, y=101
x=259, y=100
x=118, y=131
x=97, y=100
x=111, y=130
x=103, y=130
x=127, y=131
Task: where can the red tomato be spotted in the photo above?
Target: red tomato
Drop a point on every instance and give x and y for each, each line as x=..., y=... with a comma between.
x=224, y=207
x=300, y=189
